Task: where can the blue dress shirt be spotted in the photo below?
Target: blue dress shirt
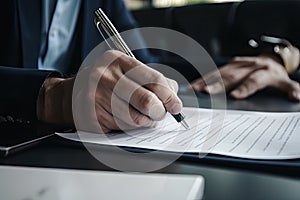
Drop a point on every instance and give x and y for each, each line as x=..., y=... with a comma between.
x=58, y=27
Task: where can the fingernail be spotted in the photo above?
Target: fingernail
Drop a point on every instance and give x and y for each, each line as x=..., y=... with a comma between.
x=206, y=89
x=236, y=93
x=176, y=108
x=211, y=88
x=296, y=95
x=193, y=87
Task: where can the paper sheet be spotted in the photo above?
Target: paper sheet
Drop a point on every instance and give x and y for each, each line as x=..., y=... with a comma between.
x=255, y=135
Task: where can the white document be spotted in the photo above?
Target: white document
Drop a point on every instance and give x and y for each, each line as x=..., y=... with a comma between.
x=245, y=134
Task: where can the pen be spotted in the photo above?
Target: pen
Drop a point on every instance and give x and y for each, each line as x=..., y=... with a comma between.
x=111, y=31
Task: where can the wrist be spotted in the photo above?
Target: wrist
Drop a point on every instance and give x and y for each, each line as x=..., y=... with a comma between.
x=54, y=103
x=290, y=57
x=281, y=49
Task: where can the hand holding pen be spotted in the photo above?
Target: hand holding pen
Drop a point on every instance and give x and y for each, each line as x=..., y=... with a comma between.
x=161, y=94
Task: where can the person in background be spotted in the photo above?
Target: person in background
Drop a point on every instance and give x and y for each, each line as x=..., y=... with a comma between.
x=245, y=75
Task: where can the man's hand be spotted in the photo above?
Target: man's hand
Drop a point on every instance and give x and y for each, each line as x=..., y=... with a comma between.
x=119, y=92
x=247, y=75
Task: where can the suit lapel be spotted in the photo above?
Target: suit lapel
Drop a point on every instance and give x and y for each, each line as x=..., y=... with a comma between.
x=90, y=35
x=30, y=22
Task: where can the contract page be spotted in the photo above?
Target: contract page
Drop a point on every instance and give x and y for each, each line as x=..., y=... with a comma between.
x=245, y=134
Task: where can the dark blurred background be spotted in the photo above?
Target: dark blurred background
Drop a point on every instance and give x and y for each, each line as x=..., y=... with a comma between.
x=224, y=28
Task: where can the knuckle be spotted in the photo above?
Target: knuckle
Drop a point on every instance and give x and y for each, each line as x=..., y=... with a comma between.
x=95, y=73
x=104, y=128
x=169, y=98
x=146, y=101
x=124, y=60
x=269, y=64
x=113, y=58
x=106, y=80
x=173, y=85
x=110, y=53
x=157, y=77
x=252, y=82
x=109, y=78
x=228, y=79
x=95, y=76
x=231, y=77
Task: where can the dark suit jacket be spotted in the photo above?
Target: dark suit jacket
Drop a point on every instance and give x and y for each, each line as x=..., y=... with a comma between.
x=20, y=21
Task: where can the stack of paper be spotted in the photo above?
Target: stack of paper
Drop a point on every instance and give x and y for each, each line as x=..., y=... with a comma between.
x=255, y=135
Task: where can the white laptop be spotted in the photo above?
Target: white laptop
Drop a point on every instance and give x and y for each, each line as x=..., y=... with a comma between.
x=20, y=183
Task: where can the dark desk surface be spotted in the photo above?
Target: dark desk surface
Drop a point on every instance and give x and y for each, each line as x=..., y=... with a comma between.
x=226, y=178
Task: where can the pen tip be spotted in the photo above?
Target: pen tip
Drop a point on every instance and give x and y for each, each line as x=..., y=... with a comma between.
x=185, y=125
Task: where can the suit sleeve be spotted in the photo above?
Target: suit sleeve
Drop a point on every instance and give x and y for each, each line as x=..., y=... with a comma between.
x=19, y=90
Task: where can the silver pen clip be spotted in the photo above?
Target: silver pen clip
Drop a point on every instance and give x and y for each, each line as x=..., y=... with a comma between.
x=103, y=21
